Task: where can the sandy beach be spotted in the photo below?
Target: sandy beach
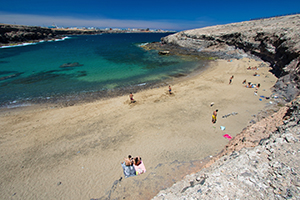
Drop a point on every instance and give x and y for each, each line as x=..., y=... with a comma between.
x=52, y=152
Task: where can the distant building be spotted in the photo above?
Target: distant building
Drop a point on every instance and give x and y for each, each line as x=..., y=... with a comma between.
x=53, y=26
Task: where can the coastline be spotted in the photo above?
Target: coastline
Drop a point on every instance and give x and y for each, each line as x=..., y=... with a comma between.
x=65, y=100
x=167, y=131
x=15, y=35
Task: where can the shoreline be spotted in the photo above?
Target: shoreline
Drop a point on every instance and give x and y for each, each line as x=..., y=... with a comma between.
x=92, y=96
x=172, y=133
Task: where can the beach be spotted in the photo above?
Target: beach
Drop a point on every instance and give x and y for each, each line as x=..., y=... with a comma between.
x=55, y=152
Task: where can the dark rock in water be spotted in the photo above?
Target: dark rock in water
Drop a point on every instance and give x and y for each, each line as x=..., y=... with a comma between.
x=42, y=76
x=178, y=75
x=81, y=73
x=7, y=72
x=75, y=64
x=10, y=76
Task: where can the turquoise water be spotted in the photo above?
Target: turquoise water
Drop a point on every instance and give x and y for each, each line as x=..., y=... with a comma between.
x=93, y=63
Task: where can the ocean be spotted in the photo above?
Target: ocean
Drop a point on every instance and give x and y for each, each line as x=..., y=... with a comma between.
x=85, y=67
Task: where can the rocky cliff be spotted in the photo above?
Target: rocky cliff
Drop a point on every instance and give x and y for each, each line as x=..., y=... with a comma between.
x=261, y=162
x=274, y=40
x=19, y=34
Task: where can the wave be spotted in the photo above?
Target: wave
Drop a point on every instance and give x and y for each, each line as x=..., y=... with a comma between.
x=143, y=44
x=18, y=45
x=18, y=105
x=62, y=39
x=141, y=84
x=34, y=43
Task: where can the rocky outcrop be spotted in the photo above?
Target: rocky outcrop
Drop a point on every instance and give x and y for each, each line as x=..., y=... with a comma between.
x=20, y=34
x=274, y=40
x=75, y=64
x=261, y=162
x=269, y=170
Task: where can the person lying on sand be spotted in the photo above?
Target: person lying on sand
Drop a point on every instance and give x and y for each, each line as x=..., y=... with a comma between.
x=254, y=68
x=230, y=80
x=249, y=85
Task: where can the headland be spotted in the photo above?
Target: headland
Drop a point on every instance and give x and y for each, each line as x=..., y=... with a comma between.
x=11, y=35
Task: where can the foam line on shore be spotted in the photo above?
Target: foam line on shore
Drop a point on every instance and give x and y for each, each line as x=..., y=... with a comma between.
x=34, y=43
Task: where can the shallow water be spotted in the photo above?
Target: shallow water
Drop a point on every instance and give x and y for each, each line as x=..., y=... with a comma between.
x=84, y=64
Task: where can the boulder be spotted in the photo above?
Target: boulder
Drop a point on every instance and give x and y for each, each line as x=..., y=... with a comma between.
x=74, y=64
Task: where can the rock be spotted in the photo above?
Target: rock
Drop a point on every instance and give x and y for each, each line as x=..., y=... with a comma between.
x=267, y=171
x=164, y=52
x=75, y=64
x=289, y=138
x=11, y=34
x=274, y=40
x=10, y=76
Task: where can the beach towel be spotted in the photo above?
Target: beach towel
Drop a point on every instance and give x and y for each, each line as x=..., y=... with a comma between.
x=128, y=170
x=140, y=169
x=227, y=136
x=133, y=170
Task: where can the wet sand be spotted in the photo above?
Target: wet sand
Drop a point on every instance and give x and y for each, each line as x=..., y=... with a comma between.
x=75, y=152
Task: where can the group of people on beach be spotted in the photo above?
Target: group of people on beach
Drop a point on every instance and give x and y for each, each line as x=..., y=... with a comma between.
x=249, y=85
x=133, y=101
x=254, y=68
x=129, y=161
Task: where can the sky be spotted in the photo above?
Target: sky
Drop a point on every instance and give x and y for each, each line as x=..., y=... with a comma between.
x=174, y=15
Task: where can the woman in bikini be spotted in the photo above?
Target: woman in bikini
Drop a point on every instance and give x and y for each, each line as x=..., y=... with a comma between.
x=137, y=160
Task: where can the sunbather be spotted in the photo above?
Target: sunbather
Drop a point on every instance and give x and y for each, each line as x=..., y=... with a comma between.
x=137, y=160
x=128, y=161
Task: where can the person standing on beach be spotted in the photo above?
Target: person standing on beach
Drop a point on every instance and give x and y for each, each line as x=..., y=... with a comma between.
x=131, y=97
x=214, y=117
x=230, y=80
x=170, y=90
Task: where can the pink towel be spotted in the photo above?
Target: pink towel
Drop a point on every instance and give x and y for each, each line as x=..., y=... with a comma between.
x=227, y=136
x=140, y=169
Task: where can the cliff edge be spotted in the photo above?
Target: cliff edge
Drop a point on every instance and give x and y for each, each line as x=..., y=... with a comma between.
x=274, y=40
x=12, y=34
